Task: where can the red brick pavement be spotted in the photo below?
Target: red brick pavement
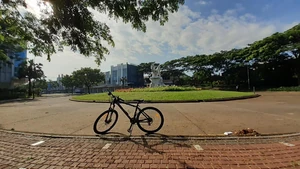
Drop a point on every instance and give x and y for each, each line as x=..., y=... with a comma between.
x=16, y=151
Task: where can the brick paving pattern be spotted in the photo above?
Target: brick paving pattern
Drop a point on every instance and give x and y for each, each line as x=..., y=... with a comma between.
x=16, y=151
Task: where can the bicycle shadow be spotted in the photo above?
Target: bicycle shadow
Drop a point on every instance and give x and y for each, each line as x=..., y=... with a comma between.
x=151, y=143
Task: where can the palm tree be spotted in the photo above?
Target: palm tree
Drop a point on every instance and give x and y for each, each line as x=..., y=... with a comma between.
x=123, y=80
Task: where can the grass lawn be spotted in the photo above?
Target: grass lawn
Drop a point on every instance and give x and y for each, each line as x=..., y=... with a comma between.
x=166, y=96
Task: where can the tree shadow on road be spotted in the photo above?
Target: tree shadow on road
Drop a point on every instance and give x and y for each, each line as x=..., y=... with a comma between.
x=151, y=142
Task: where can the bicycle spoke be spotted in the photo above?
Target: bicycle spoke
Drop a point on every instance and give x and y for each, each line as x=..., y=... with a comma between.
x=149, y=119
x=105, y=121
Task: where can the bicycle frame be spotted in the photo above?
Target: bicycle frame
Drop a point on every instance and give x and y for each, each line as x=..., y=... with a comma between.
x=139, y=112
x=118, y=102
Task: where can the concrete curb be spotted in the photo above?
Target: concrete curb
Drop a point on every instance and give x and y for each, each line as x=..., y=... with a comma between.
x=154, y=136
x=175, y=101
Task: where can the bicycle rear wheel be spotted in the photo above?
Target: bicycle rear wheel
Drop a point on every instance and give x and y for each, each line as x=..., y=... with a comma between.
x=107, y=119
x=150, y=117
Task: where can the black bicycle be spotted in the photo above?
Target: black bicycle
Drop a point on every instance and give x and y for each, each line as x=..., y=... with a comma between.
x=142, y=117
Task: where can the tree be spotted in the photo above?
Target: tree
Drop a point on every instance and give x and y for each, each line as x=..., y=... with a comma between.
x=123, y=81
x=88, y=77
x=53, y=84
x=41, y=83
x=71, y=23
x=171, y=70
x=32, y=71
x=69, y=82
x=278, y=47
x=11, y=40
x=145, y=69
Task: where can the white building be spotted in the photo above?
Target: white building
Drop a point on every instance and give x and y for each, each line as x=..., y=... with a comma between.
x=128, y=71
x=117, y=72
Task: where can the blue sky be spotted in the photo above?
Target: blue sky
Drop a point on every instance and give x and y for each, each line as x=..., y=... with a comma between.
x=199, y=27
x=264, y=10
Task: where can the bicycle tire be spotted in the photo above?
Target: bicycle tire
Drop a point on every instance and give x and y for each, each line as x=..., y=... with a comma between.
x=160, y=114
x=99, y=117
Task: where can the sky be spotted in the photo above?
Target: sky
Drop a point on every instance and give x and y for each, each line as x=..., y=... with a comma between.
x=199, y=27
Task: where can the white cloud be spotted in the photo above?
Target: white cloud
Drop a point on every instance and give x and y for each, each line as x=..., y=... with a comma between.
x=186, y=33
x=266, y=7
x=202, y=2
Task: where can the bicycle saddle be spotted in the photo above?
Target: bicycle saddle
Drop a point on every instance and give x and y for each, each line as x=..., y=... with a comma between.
x=139, y=100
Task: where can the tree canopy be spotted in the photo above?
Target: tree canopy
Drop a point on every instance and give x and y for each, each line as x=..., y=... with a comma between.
x=272, y=61
x=32, y=71
x=71, y=23
x=88, y=77
x=69, y=82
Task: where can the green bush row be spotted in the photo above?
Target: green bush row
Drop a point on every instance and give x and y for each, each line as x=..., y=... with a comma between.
x=6, y=94
x=167, y=88
x=293, y=88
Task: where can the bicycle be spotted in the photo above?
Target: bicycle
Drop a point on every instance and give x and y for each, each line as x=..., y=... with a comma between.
x=139, y=113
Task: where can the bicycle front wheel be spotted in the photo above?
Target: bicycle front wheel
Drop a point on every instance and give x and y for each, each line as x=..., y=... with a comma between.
x=106, y=121
x=150, y=119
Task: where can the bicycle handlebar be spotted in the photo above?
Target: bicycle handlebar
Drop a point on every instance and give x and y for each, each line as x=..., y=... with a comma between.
x=115, y=97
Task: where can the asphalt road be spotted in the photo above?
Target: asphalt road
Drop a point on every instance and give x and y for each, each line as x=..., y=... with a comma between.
x=274, y=112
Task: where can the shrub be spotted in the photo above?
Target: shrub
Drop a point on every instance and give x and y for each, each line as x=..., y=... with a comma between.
x=158, y=89
x=293, y=88
x=167, y=88
x=124, y=90
x=38, y=92
x=12, y=93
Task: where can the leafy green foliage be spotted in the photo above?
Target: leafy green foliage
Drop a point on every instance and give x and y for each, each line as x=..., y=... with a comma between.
x=69, y=82
x=145, y=68
x=41, y=83
x=171, y=70
x=71, y=23
x=287, y=89
x=272, y=61
x=53, y=84
x=88, y=77
x=167, y=88
x=32, y=71
x=15, y=93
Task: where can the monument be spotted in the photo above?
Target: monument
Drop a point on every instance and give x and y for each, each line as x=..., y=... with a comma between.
x=156, y=79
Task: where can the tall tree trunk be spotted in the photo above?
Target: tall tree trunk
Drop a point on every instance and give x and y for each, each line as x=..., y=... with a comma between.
x=89, y=90
x=29, y=87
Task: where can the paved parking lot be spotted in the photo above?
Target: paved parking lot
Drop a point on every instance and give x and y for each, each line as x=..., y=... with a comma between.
x=276, y=112
x=271, y=113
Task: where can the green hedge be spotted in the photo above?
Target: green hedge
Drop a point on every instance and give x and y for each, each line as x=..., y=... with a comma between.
x=6, y=94
x=293, y=88
x=168, y=88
